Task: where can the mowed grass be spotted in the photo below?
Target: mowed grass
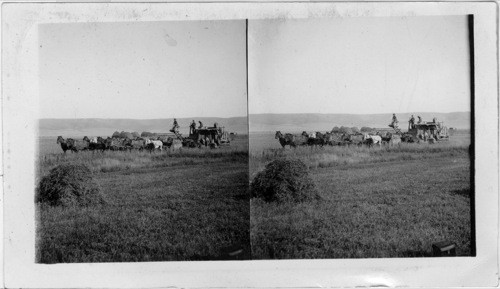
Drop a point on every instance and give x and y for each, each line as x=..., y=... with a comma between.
x=191, y=204
x=378, y=202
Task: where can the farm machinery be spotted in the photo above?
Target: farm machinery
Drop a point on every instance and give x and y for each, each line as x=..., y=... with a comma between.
x=429, y=131
x=425, y=131
x=205, y=136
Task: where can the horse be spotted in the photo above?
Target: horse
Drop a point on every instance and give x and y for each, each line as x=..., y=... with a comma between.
x=314, y=139
x=154, y=144
x=80, y=145
x=96, y=143
x=114, y=144
x=65, y=145
x=372, y=139
x=166, y=140
x=332, y=138
x=395, y=140
x=357, y=139
x=287, y=139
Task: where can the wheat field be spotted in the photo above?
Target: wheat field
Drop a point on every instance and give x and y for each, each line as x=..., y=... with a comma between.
x=190, y=204
x=375, y=202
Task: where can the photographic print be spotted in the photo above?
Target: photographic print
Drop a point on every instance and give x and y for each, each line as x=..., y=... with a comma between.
x=143, y=147
x=360, y=137
x=259, y=145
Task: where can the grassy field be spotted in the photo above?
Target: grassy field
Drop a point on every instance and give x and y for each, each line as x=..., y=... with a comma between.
x=190, y=204
x=193, y=204
x=378, y=202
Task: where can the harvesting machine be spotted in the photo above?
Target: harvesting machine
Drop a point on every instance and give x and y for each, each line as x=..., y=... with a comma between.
x=424, y=131
x=204, y=136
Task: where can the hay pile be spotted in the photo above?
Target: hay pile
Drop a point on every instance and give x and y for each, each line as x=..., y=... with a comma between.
x=285, y=180
x=69, y=185
x=126, y=134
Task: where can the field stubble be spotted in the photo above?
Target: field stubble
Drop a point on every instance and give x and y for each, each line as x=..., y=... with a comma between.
x=375, y=202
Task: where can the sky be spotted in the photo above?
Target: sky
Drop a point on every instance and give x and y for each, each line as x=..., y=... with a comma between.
x=143, y=70
x=359, y=65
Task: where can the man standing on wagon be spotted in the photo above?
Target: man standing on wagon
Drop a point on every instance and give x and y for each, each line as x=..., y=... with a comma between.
x=412, y=121
x=192, y=127
x=176, y=126
x=394, y=123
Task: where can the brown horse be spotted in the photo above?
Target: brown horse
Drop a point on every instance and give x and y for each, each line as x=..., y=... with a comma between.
x=332, y=138
x=287, y=139
x=66, y=145
x=98, y=144
x=314, y=139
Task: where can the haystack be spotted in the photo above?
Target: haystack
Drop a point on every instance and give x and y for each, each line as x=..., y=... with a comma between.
x=346, y=130
x=284, y=180
x=69, y=185
x=126, y=134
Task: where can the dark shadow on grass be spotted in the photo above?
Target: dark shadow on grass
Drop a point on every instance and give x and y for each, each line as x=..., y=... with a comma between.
x=240, y=197
x=415, y=254
x=462, y=192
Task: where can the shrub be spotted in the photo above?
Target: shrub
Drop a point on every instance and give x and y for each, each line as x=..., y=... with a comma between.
x=116, y=134
x=135, y=134
x=366, y=129
x=284, y=180
x=336, y=129
x=69, y=185
x=355, y=129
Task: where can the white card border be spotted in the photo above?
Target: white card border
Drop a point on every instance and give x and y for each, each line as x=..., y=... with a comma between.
x=20, y=110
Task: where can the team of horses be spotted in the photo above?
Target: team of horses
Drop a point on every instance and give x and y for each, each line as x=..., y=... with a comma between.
x=336, y=139
x=115, y=144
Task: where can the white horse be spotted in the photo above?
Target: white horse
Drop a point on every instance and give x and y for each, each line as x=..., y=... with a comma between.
x=375, y=139
x=158, y=144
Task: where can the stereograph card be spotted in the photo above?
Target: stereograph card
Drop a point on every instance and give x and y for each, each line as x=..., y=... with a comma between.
x=285, y=144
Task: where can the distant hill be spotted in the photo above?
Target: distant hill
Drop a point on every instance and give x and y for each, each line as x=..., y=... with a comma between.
x=106, y=127
x=258, y=123
x=324, y=122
